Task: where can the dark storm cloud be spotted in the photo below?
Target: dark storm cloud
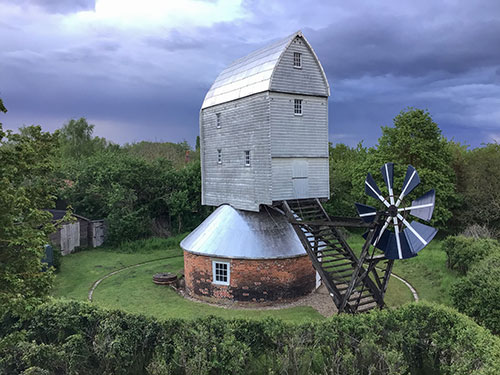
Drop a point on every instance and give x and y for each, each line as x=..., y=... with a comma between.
x=389, y=45
x=139, y=84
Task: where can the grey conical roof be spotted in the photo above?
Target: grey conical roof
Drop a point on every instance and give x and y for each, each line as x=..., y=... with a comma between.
x=232, y=233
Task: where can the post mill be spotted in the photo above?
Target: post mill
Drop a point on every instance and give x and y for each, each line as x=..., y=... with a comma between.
x=264, y=162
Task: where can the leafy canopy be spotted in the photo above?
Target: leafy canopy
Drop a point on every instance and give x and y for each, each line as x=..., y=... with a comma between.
x=76, y=139
x=415, y=139
x=26, y=187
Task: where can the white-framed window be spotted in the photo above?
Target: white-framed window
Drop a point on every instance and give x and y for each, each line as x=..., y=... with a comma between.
x=297, y=107
x=218, y=120
x=219, y=156
x=221, y=272
x=297, y=60
x=247, y=158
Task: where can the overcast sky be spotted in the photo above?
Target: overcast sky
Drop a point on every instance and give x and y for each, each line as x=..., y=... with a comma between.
x=139, y=70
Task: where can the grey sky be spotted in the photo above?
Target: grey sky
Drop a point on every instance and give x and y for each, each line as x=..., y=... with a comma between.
x=140, y=69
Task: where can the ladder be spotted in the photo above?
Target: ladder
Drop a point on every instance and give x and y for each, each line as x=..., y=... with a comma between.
x=356, y=282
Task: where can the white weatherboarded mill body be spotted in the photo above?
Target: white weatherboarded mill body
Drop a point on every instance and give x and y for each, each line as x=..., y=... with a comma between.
x=264, y=128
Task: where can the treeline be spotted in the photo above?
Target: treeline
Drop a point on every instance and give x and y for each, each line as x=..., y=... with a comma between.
x=77, y=338
x=141, y=189
x=465, y=180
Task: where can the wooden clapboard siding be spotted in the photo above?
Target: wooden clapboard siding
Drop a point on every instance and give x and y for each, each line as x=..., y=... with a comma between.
x=282, y=173
x=307, y=80
x=299, y=136
x=244, y=126
x=257, y=114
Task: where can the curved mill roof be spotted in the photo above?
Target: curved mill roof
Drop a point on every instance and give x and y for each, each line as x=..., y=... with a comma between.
x=253, y=73
x=232, y=233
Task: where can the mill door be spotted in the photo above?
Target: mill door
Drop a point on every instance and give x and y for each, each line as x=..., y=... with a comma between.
x=300, y=179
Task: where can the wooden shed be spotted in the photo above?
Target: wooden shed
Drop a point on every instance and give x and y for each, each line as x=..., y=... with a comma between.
x=82, y=232
x=264, y=128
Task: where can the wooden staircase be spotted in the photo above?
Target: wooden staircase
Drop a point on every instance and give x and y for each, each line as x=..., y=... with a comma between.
x=356, y=283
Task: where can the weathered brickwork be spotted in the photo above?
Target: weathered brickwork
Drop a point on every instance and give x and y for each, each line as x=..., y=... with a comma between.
x=260, y=280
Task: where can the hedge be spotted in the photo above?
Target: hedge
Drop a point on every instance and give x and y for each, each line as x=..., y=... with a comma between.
x=463, y=252
x=478, y=293
x=78, y=338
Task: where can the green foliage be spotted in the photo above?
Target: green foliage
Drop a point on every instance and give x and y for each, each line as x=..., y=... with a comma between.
x=137, y=197
x=2, y=107
x=463, y=252
x=76, y=140
x=173, y=152
x=26, y=188
x=151, y=244
x=125, y=190
x=78, y=338
x=477, y=180
x=344, y=166
x=416, y=140
x=478, y=293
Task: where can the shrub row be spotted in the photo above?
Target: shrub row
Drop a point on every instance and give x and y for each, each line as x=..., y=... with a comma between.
x=478, y=293
x=77, y=338
x=462, y=252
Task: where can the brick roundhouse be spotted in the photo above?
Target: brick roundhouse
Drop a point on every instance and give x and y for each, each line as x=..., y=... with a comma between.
x=246, y=256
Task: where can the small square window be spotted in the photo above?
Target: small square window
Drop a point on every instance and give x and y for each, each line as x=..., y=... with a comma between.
x=297, y=60
x=219, y=156
x=297, y=107
x=220, y=272
x=247, y=158
x=218, y=120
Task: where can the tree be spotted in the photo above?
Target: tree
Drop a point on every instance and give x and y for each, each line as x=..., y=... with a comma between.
x=2, y=107
x=26, y=165
x=344, y=164
x=77, y=141
x=478, y=184
x=416, y=140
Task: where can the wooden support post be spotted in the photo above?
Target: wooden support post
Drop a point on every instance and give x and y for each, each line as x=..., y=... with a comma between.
x=359, y=266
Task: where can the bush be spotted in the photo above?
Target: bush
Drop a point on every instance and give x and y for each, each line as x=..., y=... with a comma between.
x=151, y=244
x=77, y=338
x=463, y=252
x=478, y=294
x=478, y=231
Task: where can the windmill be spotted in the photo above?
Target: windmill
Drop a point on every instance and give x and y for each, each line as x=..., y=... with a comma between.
x=264, y=166
x=406, y=239
x=358, y=283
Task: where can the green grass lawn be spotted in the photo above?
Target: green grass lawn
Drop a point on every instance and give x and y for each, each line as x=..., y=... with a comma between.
x=132, y=290
x=80, y=270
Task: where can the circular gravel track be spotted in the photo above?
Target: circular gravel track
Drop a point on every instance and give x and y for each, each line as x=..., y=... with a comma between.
x=326, y=313
x=95, y=284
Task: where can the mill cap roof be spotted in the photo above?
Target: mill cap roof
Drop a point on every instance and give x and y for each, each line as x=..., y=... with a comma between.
x=253, y=73
x=232, y=233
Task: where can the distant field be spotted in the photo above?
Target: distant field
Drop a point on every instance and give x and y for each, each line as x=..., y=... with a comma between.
x=132, y=290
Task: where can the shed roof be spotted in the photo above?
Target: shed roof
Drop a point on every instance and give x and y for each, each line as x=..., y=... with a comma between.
x=232, y=233
x=252, y=74
x=59, y=214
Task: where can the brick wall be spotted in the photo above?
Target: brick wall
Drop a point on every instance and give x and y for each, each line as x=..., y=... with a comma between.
x=250, y=280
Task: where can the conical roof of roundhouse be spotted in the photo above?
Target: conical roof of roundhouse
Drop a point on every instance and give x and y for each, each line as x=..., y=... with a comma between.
x=232, y=233
x=253, y=73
